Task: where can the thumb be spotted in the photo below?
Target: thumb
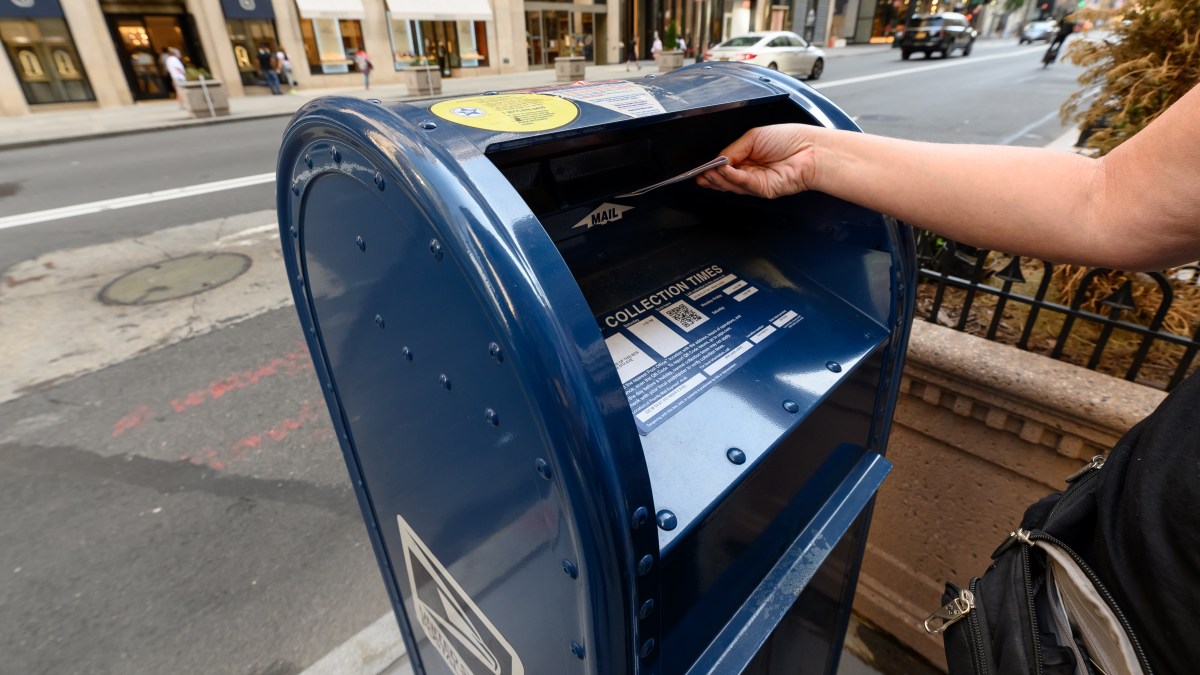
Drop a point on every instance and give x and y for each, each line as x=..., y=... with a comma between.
x=741, y=149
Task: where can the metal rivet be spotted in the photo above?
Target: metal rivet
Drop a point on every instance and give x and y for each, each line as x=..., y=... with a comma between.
x=308, y=160
x=406, y=353
x=543, y=468
x=444, y=381
x=335, y=154
x=736, y=455
x=312, y=330
x=577, y=649
x=490, y=92
x=379, y=321
x=833, y=366
x=435, y=247
x=296, y=187
x=640, y=516
x=667, y=520
x=764, y=79
x=428, y=126
x=294, y=231
x=791, y=406
x=647, y=648
x=329, y=386
x=645, y=609
x=495, y=351
x=570, y=569
x=708, y=67
x=900, y=286
x=379, y=180
x=374, y=100
x=650, y=77
x=868, y=335
x=644, y=565
x=492, y=417
x=300, y=279
x=361, y=243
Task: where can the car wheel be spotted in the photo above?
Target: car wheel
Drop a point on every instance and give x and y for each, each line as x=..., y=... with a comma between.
x=773, y=66
x=817, y=69
x=929, y=53
x=905, y=54
x=1022, y=41
x=946, y=49
x=967, y=49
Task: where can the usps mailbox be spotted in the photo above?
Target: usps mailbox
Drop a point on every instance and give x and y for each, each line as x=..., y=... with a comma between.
x=594, y=431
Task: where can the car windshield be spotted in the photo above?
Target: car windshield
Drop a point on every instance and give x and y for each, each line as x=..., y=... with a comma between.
x=743, y=41
x=925, y=22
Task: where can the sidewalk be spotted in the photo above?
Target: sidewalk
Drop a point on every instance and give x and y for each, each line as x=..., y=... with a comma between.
x=67, y=125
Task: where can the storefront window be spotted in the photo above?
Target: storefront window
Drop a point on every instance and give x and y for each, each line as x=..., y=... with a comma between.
x=331, y=43
x=448, y=44
x=246, y=35
x=44, y=58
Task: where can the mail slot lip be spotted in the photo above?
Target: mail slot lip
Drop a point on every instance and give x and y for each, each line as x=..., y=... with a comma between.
x=504, y=251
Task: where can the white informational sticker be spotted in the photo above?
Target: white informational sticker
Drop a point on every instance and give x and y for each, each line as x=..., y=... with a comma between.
x=784, y=318
x=745, y=294
x=709, y=288
x=630, y=360
x=762, y=334
x=618, y=96
x=658, y=336
x=735, y=288
x=684, y=315
x=457, y=629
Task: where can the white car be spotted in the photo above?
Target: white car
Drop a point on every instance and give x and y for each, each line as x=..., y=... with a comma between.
x=777, y=50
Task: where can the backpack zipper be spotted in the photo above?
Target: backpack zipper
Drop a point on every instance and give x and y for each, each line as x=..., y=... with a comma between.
x=1096, y=463
x=1034, y=636
x=956, y=610
x=978, y=655
x=1108, y=598
x=1080, y=477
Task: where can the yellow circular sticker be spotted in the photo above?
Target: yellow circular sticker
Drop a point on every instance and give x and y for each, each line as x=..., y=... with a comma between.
x=508, y=112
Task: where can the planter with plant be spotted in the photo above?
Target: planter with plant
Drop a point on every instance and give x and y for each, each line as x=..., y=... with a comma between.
x=671, y=57
x=568, y=65
x=422, y=78
x=201, y=95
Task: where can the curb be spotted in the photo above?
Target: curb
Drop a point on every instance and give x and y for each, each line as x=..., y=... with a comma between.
x=164, y=126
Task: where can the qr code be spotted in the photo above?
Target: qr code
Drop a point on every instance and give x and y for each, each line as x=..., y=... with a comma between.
x=684, y=315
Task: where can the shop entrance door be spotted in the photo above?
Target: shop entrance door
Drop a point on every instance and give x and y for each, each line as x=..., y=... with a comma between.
x=140, y=40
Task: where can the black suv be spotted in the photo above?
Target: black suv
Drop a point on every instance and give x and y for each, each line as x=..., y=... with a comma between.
x=943, y=33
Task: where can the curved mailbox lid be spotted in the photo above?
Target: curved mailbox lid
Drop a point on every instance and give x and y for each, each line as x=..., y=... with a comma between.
x=480, y=416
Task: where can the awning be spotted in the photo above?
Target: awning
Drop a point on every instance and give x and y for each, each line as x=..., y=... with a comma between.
x=248, y=9
x=442, y=10
x=331, y=9
x=31, y=9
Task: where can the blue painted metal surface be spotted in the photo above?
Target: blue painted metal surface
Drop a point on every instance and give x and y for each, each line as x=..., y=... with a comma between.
x=450, y=304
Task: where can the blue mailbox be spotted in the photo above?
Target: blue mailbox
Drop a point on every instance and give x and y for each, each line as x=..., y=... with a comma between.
x=593, y=431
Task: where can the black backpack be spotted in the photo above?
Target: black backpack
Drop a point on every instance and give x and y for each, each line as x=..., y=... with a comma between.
x=1102, y=578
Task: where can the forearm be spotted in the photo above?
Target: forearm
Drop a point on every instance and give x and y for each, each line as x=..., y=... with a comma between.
x=1018, y=200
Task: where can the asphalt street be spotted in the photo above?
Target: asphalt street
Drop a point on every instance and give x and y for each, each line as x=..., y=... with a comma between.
x=172, y=498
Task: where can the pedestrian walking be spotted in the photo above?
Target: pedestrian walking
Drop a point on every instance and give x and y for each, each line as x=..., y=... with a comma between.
x=588, y=47
x=681, y=45
x=656, y=46
x=285, y=70
x=177, y=71
x=270, y=70
x=631, y=54
x=1132, y=209
x=364, y=66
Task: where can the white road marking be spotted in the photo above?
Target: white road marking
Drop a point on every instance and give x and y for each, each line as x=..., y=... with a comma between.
x=134, y=200
x=373, y=650
x=252, y=233
x=1018, y=135
x=918, y=69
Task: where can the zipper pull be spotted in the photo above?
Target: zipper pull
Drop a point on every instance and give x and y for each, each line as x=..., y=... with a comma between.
x=1017, y=535
x=1096, y=463
x=950, y=613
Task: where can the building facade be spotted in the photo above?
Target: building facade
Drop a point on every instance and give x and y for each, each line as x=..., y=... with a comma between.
x=104, y=53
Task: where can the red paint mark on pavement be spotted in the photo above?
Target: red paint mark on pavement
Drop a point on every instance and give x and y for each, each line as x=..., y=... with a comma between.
x=13, y=282
x=290, y=364
x=244, y=447
x=131, y=421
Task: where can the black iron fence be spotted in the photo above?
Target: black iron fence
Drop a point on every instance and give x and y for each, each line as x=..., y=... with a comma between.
x=1144, y=327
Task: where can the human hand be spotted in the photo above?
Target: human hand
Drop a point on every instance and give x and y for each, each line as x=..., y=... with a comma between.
x=767, y=162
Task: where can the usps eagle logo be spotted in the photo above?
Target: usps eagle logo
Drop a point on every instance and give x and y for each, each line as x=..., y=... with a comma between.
x=23, y=4
x=247, y=5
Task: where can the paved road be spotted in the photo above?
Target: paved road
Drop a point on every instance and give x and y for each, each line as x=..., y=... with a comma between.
x=172, y=499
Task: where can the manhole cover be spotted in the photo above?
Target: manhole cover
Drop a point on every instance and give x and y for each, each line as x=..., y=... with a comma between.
x=175, y=278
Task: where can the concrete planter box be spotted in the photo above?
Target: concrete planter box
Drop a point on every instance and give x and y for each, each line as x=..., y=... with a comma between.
x=423, y=80
x=670, y=60
x=570, y=68
x=981, y=431
x=191, y=95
